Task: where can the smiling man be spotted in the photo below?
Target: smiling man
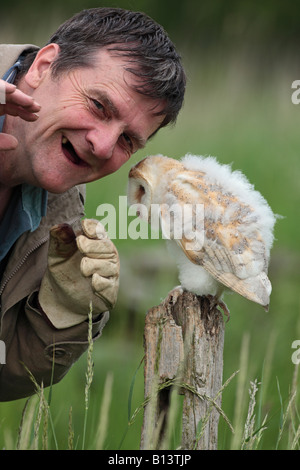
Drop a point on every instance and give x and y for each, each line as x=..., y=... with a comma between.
x=90, y=122
x=73, y=111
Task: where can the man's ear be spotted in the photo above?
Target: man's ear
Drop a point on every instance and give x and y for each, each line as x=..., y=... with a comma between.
x=41, y=65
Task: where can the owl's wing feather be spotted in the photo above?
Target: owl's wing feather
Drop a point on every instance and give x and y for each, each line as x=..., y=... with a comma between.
x=244, y=269
x=218, y=263
x=256, y=288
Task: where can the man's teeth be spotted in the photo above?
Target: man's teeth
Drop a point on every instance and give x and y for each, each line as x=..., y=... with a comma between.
x=64, y=140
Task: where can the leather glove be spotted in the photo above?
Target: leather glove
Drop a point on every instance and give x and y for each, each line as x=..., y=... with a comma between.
x=81, y=269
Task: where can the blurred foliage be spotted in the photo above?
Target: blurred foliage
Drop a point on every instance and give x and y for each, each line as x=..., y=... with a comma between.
x=192, y=23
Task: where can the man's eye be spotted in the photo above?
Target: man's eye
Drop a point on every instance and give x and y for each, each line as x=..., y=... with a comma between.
x=128, y=141
x=98, y=105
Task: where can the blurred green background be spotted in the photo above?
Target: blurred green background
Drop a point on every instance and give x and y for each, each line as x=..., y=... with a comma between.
x=241, y=59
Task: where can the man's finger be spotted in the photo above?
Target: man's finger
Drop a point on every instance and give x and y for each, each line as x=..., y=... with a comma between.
x=101, y=249
x=93, y=229
x=6, y=87
x=14, y=110
x=21, y=99
x=104, y=267
x=10, y=94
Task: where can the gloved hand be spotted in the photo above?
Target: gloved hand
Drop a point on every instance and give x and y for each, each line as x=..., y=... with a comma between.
x=81, y=269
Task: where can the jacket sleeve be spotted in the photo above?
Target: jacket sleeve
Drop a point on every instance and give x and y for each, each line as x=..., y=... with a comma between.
x=32, y=343
x=38, y=347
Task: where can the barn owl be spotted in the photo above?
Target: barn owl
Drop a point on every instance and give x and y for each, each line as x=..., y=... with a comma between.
x=229, y=247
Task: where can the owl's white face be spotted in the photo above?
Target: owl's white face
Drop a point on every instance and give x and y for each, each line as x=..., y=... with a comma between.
x=148, y=191
x=139, y=192
x=146, y=185
x=238, y=222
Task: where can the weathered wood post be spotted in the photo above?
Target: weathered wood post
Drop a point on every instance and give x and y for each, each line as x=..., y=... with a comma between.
x=183, y=343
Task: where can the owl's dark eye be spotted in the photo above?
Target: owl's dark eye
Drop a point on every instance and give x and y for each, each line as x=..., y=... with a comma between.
x=140, y=192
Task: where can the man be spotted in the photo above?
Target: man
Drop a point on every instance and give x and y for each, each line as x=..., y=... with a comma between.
x=74, y=111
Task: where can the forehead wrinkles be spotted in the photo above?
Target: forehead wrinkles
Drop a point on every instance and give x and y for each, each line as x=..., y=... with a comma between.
x=124, y=70
x=74, y=94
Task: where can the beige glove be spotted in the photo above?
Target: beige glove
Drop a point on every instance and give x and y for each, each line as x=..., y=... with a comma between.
x=81, y=269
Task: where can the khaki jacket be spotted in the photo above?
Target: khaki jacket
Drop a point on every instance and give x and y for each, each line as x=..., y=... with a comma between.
x=30, y=340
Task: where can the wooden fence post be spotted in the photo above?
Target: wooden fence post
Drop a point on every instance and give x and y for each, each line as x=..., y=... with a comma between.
x=183, y=344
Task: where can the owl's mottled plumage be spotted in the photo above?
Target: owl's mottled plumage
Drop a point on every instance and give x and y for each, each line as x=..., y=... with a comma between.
x=238, y=223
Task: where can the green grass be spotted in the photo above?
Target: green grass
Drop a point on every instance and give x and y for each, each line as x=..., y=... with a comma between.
x=243, y=115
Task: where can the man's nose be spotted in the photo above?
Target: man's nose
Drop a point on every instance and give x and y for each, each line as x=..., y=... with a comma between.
x=102, y=141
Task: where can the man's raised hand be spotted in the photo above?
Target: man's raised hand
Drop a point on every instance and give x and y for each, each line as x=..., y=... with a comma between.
x=16, y=103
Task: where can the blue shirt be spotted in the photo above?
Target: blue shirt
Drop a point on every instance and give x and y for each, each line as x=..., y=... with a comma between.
x=27, y=206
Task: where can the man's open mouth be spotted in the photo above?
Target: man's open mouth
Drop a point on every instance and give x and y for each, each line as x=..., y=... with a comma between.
x=70, y=152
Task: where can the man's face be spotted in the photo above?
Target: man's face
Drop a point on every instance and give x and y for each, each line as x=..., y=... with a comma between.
x=91, y=121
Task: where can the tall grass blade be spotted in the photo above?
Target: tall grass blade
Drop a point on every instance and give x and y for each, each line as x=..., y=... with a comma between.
x=71, y=431
x=52, y=378
x=25, y=427
x=132, y=387
x=104, y=412
x=89, y=373
x=129, y=405
x=37, y=424
x=284, y=414
x=240, y=394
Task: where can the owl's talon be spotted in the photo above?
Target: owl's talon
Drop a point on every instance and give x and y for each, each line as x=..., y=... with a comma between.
x=172, y=296
x=215, y=302
x=225, y=309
